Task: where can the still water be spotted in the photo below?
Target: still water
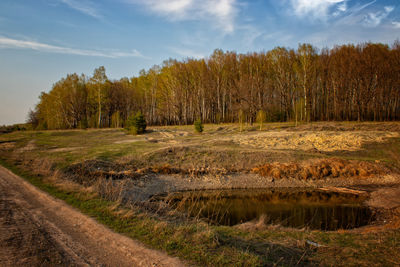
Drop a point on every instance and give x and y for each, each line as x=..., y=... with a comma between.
x=291, y=208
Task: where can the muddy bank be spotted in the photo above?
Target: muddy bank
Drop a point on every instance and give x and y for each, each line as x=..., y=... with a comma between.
x=143, y=189
x=138, y=184
x=386, y=198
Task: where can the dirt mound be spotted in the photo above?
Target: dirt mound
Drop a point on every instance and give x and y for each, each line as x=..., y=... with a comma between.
x=320, y=169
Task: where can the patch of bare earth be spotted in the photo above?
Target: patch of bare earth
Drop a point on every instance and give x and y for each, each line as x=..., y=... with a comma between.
x=387, y=198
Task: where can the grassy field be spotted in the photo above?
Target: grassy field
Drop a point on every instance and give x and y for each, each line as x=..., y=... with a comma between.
x=46, y=159
x=219, y=145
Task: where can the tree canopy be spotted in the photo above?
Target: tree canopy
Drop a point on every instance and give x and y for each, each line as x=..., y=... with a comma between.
x=348, y=82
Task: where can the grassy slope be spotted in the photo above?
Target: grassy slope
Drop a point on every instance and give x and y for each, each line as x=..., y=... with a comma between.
x=196, y=242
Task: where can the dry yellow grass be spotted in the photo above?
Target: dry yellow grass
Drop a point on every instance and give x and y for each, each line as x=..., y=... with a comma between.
x=308, y=140
x=319, y=169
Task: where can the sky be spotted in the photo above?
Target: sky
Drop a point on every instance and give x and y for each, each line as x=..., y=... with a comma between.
x=42, y=41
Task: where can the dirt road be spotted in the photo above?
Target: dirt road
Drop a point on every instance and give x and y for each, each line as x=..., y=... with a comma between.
x=38, y=230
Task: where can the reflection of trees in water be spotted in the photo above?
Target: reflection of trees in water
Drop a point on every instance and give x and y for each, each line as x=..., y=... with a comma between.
x=312, y=209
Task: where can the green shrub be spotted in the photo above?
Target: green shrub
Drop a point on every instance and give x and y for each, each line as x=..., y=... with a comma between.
x=136, y=124
x=198, y=126
x=132, y=130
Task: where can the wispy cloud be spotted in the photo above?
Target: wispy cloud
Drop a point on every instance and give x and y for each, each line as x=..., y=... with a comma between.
x=221, y=12
x=33, y=45
x=318, y=8
x=359, y=23
x=353, y=15
x=341, y=8
x=184, y=52
x=374, y=19
x=84, y=6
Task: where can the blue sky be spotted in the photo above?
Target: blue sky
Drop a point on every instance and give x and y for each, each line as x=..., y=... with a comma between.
x=43, y=40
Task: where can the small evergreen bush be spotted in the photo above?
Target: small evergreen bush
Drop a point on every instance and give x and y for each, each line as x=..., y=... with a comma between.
x=198, y=126
x=136, y=124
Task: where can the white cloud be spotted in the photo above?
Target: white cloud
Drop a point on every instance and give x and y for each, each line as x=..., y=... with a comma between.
x=389, y=9
x=23, y=44
x=84, y=6
x=396, y=24
x=172, y=7
x=317, y=8
x=375, y=19
x=341, y=8
x=220, y=12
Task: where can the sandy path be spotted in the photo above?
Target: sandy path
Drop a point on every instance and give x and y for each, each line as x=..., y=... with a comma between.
x=38, y=230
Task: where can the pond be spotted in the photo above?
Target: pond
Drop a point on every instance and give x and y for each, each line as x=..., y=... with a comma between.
x=315, y=209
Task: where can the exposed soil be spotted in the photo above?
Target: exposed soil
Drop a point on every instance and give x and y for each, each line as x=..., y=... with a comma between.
x=387, y=198
x=37, y=230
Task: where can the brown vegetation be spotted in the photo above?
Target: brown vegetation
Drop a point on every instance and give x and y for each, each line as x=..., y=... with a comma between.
x=326, y=141
x=319, y=169
x=91, y=171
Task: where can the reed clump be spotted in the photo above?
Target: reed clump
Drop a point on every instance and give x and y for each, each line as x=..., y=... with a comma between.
x=319, y=169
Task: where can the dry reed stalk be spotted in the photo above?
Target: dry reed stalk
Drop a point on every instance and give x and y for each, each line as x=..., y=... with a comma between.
x=319, y=169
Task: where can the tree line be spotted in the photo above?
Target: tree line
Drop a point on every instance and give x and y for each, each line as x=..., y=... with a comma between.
x=348, y=82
